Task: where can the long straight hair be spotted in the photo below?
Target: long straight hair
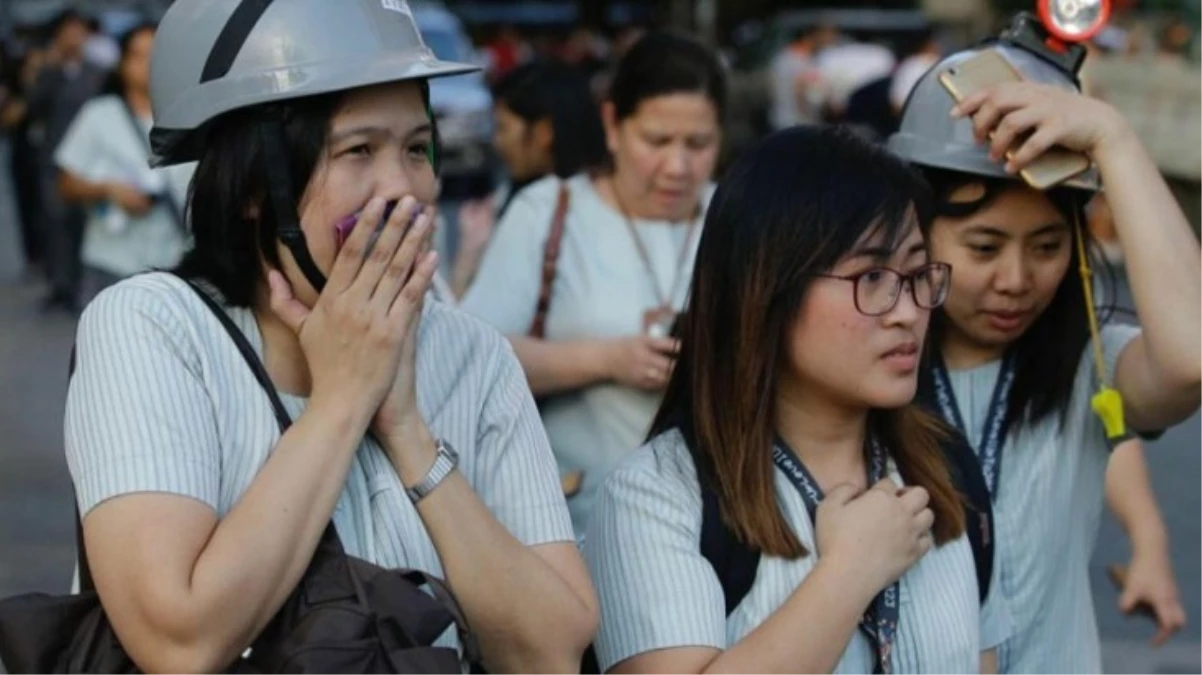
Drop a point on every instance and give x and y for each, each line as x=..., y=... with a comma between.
x=792, y=207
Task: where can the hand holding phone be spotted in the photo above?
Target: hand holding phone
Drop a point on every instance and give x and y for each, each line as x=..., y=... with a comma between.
x=989, y=69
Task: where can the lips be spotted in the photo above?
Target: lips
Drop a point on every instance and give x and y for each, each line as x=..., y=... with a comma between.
x=904, y=349
x=1008, y=321
x=903, y=358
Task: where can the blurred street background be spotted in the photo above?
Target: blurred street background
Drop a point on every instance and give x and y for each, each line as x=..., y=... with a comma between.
x=1146, y=63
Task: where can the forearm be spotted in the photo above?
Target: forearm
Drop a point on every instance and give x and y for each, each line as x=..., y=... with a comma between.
x=828, y=603
x=557, y=366
x=1162, y=258
x=1131, y=499
x=494, y=576
x=259, y=551
x=76, y=190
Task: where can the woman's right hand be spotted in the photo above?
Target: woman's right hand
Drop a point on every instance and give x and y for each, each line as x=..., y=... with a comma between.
x=642, y=362
x=352, y=336
x=880, y=532
x=130, y=199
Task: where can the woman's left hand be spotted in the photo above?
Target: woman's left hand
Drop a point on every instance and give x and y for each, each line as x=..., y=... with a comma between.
x=1150, y=582
x=1029, y=118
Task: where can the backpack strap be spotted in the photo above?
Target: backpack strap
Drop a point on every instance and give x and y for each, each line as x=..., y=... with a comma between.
x=978, y=508
x=733, y=561
x=538, y=327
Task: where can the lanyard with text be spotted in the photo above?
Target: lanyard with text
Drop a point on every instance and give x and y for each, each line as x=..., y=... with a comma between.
x=879, y=622
x=993, y=434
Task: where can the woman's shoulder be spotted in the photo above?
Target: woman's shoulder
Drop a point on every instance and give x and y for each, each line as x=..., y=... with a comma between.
x=100, y=109
x=154, y=294
x=663, y=464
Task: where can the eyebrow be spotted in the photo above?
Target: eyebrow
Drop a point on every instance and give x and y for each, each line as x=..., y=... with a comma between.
x=376, y=131
x=883, y=253
x=991, y=231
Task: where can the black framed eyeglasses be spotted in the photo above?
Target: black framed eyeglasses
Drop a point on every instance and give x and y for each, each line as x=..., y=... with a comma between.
x=877, y=290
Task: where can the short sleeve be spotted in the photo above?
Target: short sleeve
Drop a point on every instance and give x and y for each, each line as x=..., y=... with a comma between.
x=656, y=590
x=77, y=153
x=138, y=417
x=517, y=475
x=1115, y=338
x=997, y=623
x=505, y=289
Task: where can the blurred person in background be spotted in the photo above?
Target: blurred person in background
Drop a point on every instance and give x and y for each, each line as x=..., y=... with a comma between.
x=506, y=51
x=796, y=81
x=14, y=120
x=586, y=276
x=101, y=49
x=135, y=218
x=546, y=123
x=65, y=82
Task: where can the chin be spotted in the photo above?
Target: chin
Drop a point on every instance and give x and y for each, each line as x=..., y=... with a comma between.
x=895, y=394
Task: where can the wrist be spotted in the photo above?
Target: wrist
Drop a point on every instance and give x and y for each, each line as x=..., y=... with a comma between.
x=1116, y=144
x=1149, y=540
x=341, y=416
x=411, y=449
x=851, y=578
x=602, y=361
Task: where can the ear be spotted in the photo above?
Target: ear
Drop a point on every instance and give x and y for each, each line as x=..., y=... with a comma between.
x=609, y=119
x=543, y=134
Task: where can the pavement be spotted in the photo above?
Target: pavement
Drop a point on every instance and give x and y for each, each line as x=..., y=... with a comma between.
x=36, y=530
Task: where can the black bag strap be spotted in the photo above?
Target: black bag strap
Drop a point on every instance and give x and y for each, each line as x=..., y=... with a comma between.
x=978, y=508
x=177, y=212
x=734, y=562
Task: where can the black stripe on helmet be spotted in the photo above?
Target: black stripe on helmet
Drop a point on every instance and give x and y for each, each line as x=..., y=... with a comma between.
x=232, y=37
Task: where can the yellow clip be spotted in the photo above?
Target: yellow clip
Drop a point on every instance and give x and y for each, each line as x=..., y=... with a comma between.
x=1108, y=405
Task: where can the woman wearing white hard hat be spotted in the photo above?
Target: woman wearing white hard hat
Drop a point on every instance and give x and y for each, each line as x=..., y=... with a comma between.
x=1018, y=361
x=414, y=430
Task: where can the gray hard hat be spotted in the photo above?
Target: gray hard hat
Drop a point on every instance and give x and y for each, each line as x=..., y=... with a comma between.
x=214, y=56
x=929, y=136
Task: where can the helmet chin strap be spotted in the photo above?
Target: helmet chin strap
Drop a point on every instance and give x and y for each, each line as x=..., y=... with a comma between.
x=283, y=202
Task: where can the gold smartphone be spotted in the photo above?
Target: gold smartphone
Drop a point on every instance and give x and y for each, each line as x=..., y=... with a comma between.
x=988, y=69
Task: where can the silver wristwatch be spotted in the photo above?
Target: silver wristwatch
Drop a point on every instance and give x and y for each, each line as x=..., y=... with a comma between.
x=444, y=464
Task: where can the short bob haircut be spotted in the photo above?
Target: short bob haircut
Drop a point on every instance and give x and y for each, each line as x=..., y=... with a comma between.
x=233, y=223
x=791, y=208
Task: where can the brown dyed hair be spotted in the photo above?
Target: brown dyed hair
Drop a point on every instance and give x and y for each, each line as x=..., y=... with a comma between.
x=793, y=206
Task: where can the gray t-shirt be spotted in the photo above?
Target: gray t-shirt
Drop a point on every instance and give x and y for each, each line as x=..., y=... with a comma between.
x=162, y=401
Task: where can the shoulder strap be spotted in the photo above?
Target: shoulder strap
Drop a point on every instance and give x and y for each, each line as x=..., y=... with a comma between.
x=978, y=508
x=168, y=197
x=538, y=327
x=248, y=355
x=733, y=561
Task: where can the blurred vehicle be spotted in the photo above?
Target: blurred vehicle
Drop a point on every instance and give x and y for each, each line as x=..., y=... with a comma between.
x=462, y=106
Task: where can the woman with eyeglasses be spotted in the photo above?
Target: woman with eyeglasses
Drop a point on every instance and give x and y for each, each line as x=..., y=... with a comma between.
x=788, y=422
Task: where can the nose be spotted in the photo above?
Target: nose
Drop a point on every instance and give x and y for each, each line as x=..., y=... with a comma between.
x=1013, y=274
x=394, y=180
x=906, y=312
x=676, y=164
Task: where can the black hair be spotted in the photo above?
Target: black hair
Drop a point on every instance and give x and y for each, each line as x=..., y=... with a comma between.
x=549, y=90
x=233, y=221
x=114, y=84
x=65, y=17
x=777, y=220
x=1049, y=353
x=662, y=63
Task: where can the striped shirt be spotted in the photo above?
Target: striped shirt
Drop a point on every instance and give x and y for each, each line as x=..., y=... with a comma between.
x=657, y=591
x=162, y=401
x=1048, y=509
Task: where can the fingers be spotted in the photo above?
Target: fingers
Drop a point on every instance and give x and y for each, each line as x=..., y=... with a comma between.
x=887, y=486
x=1010, y=130
x=840, y=494
x=283, y=303
x=924, y=520
x=401, y=264
x=382, y=255
x=656, y=370
x=409, y=301
x=669, y=346
x=1172, y=619
x=350, y=256
x=1036, y=145
x=914, y=499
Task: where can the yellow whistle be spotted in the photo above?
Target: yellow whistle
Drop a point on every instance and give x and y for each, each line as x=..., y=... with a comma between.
x=1108, y=405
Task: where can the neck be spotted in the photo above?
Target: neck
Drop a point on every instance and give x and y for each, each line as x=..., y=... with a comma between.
x=827, y=436
x=139, y=101
x=624, y=202
x=960, y=352
x=282, y=354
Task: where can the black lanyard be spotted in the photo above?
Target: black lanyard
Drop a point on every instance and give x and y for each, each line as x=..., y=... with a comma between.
x=993, y=434
x=879, y=622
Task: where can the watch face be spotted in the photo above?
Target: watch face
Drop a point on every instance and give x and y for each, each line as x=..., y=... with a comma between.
x=449, y=450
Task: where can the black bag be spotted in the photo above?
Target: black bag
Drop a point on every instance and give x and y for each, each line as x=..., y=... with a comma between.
x=345, y=616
